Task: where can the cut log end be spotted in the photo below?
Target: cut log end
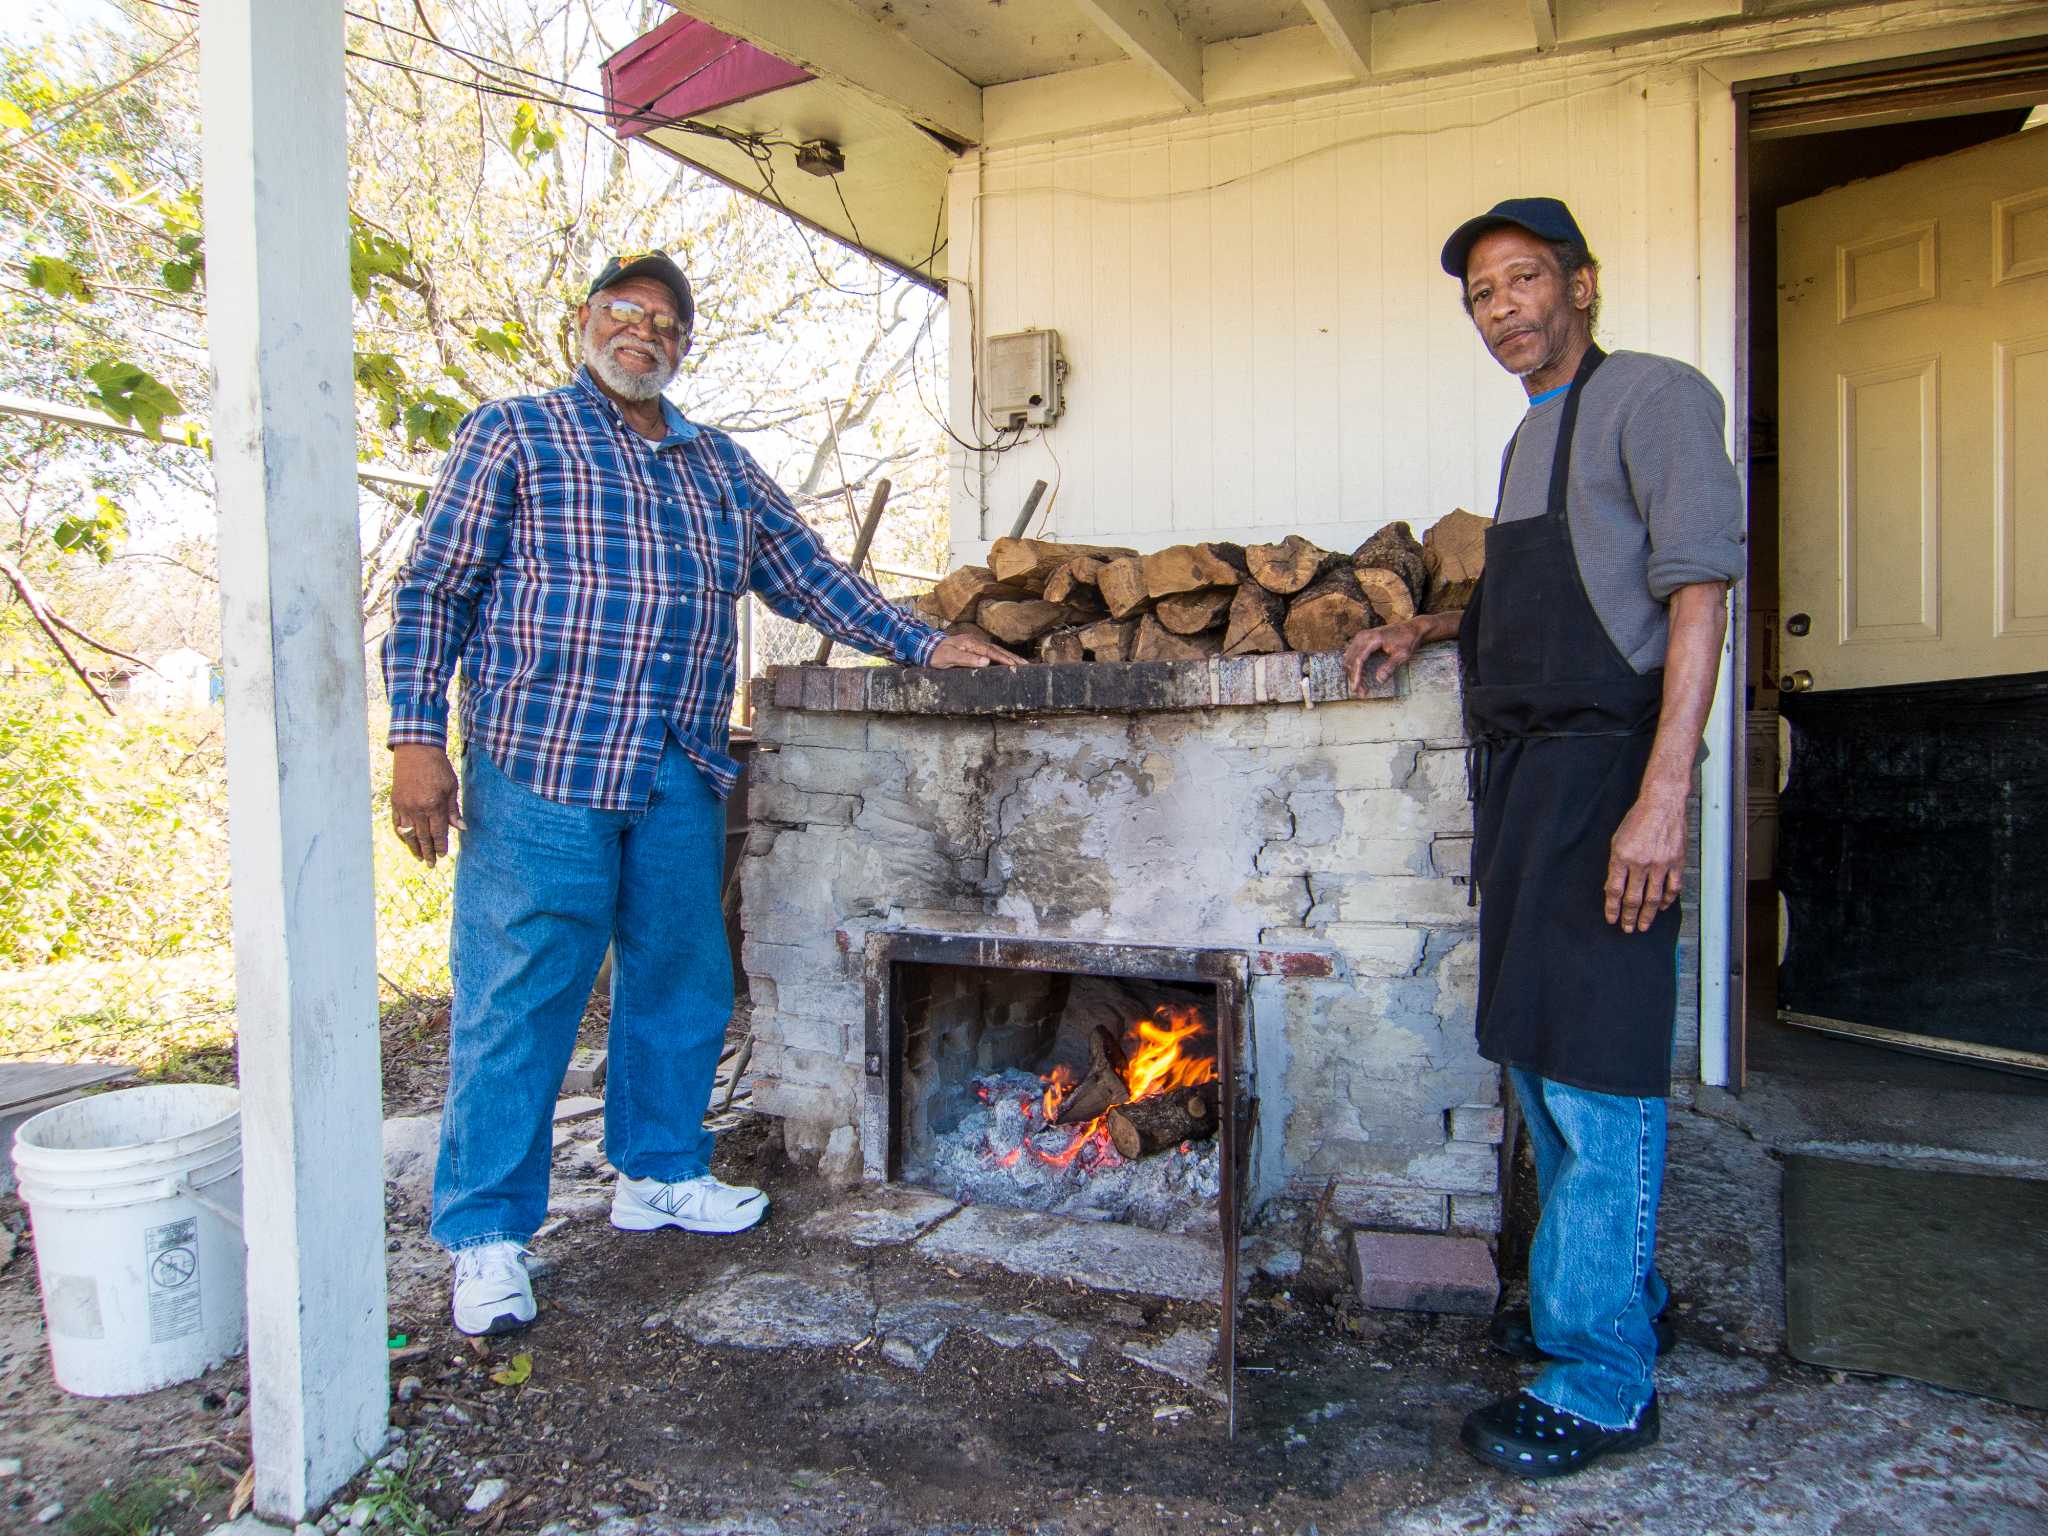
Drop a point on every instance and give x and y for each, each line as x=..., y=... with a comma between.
x=1162, y=1121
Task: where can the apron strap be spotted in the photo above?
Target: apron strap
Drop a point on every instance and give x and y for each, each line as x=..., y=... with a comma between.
x=1560, y=464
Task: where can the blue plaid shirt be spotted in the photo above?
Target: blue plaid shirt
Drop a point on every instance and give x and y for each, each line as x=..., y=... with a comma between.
x=588, y=580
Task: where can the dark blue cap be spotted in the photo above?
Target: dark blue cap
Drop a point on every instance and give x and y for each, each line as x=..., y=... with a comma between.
x=1544, y=217
x=654, y=264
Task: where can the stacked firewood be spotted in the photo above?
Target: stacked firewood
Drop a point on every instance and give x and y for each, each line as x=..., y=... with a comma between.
x=1084, y=602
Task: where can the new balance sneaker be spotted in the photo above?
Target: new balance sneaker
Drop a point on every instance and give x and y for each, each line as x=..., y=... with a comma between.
x=701, y=1204
x=493, y=1288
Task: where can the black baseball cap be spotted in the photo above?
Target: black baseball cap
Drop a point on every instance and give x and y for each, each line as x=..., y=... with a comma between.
x=654, y=264
x=1544, y=217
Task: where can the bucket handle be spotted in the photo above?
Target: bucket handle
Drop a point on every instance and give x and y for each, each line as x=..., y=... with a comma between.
x=190, y=1191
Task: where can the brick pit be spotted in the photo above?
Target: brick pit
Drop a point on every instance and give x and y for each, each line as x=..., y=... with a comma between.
x=1246, y=805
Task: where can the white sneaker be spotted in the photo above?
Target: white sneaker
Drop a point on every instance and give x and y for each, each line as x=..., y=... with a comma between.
x=493, y=1288
x=701, y=1204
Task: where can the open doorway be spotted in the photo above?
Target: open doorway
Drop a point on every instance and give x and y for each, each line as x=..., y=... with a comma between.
x=1860, y=674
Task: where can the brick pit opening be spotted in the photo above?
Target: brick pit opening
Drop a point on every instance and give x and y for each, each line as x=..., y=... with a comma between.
x=1249, y=806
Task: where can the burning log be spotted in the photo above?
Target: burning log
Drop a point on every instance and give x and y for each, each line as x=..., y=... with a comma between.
x=1187, y=568
x=1454, y=554
x=1285, y=567
x=1122, y=584
x=1032, y=562
x=1189, y=613
x=1328, y=613
x=1162, y=1121
x=1256, y=617
x=1101, y=1088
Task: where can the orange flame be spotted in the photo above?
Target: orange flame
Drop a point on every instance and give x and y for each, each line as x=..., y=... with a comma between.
x=1156, y=1062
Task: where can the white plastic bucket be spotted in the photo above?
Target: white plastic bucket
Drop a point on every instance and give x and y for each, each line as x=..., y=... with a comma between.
x=136, y=1199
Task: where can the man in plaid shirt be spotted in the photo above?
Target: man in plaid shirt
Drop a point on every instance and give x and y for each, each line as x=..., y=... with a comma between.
x=582, y=556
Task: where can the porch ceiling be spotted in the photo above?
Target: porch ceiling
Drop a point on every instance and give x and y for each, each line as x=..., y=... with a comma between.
x=902, y=85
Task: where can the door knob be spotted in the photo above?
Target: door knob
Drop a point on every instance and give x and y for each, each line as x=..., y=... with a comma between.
x=1798, y=624
x=1796, y=682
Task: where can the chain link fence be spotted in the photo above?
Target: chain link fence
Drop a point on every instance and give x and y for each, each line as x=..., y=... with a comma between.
x=115, y=918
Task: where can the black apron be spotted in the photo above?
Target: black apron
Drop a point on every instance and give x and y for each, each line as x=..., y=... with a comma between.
x=1561, y=729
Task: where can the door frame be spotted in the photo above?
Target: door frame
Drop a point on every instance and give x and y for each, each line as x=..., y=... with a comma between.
x=1725, y=297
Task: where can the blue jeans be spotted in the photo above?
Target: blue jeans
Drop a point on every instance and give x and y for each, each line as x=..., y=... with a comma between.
x=540, y=889
x=1593, y=1281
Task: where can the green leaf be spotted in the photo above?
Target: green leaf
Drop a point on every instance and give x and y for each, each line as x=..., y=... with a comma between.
x=98, y=535
x=12, y=116
x=371, y=256
x=432, y=418
x=58, y=278
x=128, y=393
x=504, y=343
x=181, y=276
x=515, y=1373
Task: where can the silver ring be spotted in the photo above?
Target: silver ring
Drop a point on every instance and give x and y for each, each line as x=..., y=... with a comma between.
x=403, y=831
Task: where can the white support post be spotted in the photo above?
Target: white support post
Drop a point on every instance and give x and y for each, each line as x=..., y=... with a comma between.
x=298, y=767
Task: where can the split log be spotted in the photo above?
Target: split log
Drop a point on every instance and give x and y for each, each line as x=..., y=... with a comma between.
x=1186, y=568
x=971, y=631
x=956, y=596
x=1189, y=613
x=1032, y=562
x=1161, y=1121
x=1122, y=584
x=1075, y=576
x=1285, y=567
x=1391, y=599
x=1020, y=623
x=1327, y=614
x=1394, y=548
x=926, y=607
x=1231, y=555
x=1109, y=639
x=1062, y=645
x=1454, y=553
x=1102, y=1086
x=1256, y=617
x=1155, y=642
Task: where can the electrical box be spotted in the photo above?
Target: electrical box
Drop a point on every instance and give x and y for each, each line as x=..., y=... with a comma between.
x=1021, y=373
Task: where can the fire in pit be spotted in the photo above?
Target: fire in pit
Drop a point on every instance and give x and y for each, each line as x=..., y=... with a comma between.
x=1083, y=1095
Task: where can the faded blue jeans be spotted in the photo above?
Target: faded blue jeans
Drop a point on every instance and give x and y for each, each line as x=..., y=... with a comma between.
x=540, y=889
x=1593, y=1281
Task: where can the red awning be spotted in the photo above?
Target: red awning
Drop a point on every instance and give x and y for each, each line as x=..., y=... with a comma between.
x=683, y=68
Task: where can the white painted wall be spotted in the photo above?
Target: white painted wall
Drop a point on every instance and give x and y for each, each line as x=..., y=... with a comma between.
x=1260, y=337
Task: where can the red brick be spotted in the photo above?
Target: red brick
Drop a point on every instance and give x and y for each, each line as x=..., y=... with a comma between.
x=1421, y=1272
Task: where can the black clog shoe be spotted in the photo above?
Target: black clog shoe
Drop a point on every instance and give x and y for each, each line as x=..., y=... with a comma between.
x=1531, y=1439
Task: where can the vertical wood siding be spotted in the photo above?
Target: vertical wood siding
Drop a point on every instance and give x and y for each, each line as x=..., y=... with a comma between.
x=1260, y=338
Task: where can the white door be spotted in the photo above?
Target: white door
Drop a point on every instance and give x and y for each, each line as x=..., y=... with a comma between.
x=1913, y=440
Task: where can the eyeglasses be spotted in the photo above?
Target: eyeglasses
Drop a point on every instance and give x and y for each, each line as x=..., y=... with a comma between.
x=630, y=312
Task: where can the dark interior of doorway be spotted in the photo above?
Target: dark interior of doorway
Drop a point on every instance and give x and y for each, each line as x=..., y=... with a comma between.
x=1849, y=1079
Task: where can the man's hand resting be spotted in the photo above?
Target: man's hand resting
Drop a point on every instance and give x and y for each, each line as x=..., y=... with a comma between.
x=425, y=800
x=1397, y=643
x=966, y=651
x=1646, y=860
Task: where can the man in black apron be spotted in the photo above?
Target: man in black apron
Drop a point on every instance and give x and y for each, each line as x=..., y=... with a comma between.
x=1590, y=653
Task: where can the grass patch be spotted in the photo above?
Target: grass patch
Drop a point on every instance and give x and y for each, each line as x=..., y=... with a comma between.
x=140, y=1508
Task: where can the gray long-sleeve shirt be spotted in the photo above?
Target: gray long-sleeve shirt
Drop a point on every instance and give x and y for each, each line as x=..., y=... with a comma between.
x=1654, y=502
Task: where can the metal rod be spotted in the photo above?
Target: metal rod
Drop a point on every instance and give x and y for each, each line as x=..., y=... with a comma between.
x=861, y=541
x=1031, y=501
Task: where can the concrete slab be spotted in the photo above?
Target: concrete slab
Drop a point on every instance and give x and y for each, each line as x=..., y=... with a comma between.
x=881, y=1216
x=911, y=1331
x=1103, y=1256
x=1185, y=1356
x=1423, y=1272
x=746, y=1309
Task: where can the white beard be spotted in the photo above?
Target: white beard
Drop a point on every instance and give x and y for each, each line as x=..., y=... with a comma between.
x=622, y=380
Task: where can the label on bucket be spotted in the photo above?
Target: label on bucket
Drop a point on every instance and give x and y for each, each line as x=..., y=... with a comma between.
x=171, y=1256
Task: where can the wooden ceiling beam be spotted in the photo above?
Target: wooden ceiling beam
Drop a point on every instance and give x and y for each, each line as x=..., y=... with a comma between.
x=1543, y=17
x=1149, y=35
x=836, y=42
x=1348, y=26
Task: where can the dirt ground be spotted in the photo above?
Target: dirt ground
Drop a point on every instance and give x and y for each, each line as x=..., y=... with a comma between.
x=619, y=1423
